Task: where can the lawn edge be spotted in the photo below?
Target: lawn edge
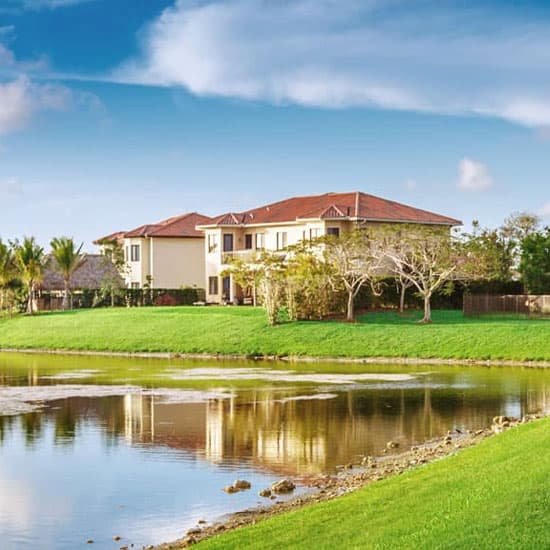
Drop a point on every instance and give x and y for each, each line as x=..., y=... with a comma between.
x=289, y=358
x=435, y=450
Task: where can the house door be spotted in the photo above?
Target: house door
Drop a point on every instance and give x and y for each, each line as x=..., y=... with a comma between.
x=228, y=242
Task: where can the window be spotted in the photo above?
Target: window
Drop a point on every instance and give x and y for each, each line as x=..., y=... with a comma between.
x=126, y=254
x=260, y=242
x=248, y=241
x=313, y=233
x=212, y=285
x=134, y=253
x=228, y=242
x=212, y=242
x=134, y=285
x=334, y=231
x=281, y=240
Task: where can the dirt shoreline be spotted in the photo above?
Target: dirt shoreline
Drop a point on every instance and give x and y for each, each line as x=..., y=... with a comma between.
x=352, y=476
x=290, y=358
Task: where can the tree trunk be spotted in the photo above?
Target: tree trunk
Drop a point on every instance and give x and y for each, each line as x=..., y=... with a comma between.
x=427, y=309
x=30, y=299
x=350, y=310
x=402, y=299
x=65, y=304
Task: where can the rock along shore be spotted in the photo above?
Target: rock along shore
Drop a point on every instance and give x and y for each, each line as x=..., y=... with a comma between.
x=353, y=476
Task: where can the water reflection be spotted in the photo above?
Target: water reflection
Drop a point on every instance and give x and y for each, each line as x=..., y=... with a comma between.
x=138, y=464
x=289, y=431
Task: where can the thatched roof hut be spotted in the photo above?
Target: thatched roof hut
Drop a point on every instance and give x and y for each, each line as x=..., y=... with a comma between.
x=93, y=273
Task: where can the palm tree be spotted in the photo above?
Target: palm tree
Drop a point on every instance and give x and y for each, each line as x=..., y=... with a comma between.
x=7, y=270
x=68, y=259
x=30, y=260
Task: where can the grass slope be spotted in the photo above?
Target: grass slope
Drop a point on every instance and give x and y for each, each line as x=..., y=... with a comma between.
x=494, y=495
x=228, y=330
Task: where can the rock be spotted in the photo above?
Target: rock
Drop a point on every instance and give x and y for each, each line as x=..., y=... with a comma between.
x=202, y=521
x=230, y=489
x=90, y=541
x=242, y=484
x=283, y=486
x=116, y=537
x=392, y=445
x=193, y=531
x=265, y=493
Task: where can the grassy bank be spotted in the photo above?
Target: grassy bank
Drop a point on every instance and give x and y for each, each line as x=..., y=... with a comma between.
x=494, y=495
x=244, y=331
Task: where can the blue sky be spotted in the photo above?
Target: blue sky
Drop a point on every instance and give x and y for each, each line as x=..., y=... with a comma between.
x=115, y=113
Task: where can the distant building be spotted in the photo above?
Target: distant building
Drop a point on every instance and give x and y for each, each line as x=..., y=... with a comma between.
x=167, y=254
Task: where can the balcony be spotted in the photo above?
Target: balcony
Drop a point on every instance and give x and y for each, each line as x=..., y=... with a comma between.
x=248, y=256
x=239, y=255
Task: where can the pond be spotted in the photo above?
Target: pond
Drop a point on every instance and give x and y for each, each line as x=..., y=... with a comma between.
x=98, y=447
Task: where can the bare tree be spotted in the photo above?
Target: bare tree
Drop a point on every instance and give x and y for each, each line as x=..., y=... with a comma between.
x=355, y=262
x=424, y=257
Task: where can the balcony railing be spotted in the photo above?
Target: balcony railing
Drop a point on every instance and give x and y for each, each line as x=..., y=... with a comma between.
x=248, y=256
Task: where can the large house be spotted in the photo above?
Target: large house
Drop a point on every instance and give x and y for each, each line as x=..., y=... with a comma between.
x=275, y=226
x=167, y=254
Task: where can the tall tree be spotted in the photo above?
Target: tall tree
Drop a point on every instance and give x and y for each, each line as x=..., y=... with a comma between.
x=68, y=259
x=535, y=262
x=7, y=271
x=354, y=262
x=423, y=256
x=515, y=228
x=488, y=255
x=30, y=261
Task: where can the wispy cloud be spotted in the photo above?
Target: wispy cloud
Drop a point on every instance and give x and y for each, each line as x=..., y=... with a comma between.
x=21, y=98
x=18, y=6
x=417, y=56
x=473, y=176
x=11, y=188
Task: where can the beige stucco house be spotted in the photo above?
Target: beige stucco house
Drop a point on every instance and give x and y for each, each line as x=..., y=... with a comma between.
x=167, y=254
x=276, y=226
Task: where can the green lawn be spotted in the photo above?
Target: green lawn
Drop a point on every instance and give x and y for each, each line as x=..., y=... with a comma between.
x=495, y=495
x=228, y=330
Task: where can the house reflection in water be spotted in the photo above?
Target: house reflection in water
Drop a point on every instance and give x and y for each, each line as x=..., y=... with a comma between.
x=277, y=432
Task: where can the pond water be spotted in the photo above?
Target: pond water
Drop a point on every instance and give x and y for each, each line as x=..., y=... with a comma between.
x=98, y=447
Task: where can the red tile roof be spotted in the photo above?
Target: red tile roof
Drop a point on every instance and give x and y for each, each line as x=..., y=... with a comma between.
x=177, y=226
x=113, y=237
x=354, y=205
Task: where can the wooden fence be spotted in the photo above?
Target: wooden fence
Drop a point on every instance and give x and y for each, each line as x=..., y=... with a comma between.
x=515, y=304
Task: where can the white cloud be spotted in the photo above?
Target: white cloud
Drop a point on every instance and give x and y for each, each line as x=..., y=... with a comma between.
x=411, y=185
x=20, y=98
x=544, y=212
x=342, y=53
x=473, y=176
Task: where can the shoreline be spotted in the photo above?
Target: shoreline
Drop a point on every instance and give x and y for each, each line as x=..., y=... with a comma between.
x=541, y=364
x=370, y=470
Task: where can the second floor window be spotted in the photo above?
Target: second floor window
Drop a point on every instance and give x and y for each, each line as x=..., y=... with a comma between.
x=334, y=231
x=281, y=240
x=248, y=241
x=134, y=253
x=228, y=242
x=212, y=242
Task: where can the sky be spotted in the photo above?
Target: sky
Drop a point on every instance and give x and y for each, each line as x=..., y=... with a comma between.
x=117, y=113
